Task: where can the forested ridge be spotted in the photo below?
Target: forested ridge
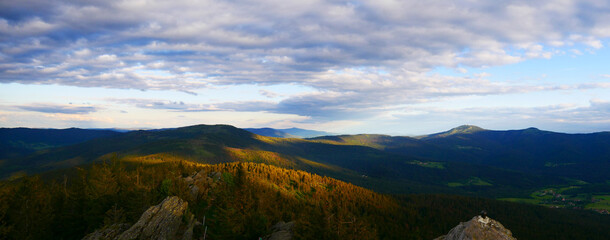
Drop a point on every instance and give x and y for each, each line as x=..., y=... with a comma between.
x=365, y=166
x=248, y=198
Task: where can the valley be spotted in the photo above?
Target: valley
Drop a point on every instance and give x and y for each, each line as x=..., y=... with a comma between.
x=567, y=197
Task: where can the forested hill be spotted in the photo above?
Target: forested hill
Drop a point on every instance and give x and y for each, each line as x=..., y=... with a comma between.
x=243, y=200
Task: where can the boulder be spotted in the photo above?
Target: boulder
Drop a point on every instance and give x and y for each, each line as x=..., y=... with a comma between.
x=479, y=228
x=281, y=231
x=189, y=180
x=199, y=174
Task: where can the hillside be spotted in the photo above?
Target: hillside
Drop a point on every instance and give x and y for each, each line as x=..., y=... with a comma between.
x=239, y=201
x=584, y=157
x=535, y=151
x=188, y=141
x=243, y=201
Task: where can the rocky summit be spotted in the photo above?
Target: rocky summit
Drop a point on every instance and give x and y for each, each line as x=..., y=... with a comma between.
x=479, y=228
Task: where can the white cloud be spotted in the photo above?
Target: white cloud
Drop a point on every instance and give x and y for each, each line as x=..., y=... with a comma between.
x=33, y=26
x=107, y=58
x=269, y=94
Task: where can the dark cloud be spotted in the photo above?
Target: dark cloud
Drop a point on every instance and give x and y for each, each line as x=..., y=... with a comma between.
x=65, y=109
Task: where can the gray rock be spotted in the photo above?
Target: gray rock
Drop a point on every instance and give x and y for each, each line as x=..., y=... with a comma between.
x=188, y=234
x=281, y=231
x=217, y=175
x=194, y=191
x=158, y=222
x=108, y=232
x=480, y=229
x=199, y=175
x=189, y=180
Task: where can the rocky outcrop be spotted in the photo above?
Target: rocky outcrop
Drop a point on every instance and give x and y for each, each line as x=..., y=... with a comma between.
x=163, y=221
x=109, y=232
x=158, y=222
x=281, y=231
x=479, y=228
x=199, y=182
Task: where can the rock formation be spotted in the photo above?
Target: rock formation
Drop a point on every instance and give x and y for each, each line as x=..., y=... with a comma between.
x=162, y=221
x=158, y=222
x=479, y=228
x=199, y=182
x=281, y=231
x=108, y=232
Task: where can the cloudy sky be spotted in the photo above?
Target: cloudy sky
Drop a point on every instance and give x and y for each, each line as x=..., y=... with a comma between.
x=395, y=67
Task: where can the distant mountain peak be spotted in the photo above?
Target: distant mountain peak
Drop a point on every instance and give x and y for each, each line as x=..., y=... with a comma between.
x=464, y=129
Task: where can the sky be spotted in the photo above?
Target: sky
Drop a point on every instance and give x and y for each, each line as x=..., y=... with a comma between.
x=392, y=67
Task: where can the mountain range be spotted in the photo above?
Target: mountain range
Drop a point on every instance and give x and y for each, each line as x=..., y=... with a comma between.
x=517, y=165
x=482, y=162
